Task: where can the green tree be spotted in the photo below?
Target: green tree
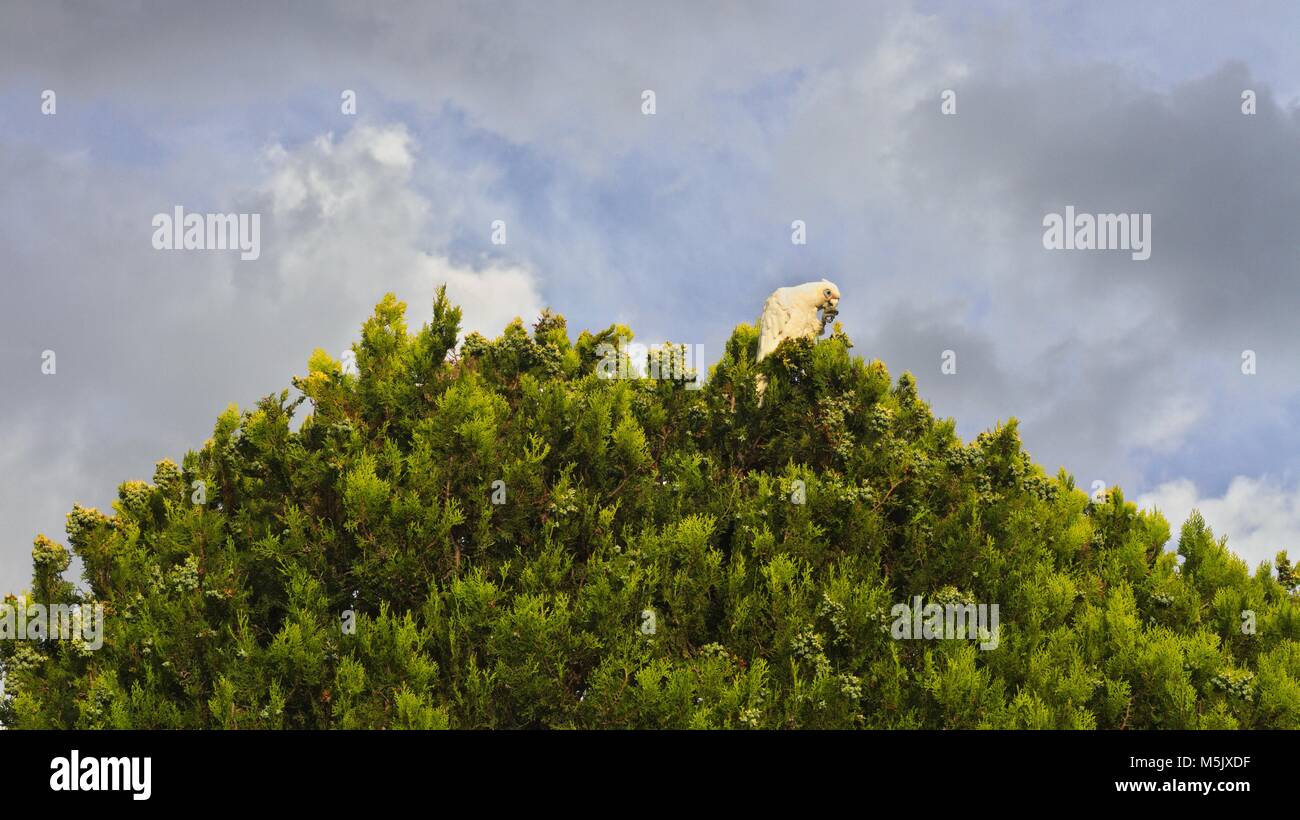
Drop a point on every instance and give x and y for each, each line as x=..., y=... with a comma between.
x=501, y=536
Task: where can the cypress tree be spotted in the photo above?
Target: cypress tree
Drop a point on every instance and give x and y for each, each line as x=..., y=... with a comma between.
x=500, y=536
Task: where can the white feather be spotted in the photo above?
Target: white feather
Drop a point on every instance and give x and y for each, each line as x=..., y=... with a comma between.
x=791, y=313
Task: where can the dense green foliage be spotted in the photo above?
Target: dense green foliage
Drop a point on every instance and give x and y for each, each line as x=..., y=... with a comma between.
x=649, y=566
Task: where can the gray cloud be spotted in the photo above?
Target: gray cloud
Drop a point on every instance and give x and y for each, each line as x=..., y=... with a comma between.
x=677, y=224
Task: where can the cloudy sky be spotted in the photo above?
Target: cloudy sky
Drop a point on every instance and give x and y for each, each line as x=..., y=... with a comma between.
x=677, y=223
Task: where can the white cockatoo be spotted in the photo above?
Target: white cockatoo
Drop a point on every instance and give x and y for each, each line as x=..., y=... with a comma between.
x=790, y=313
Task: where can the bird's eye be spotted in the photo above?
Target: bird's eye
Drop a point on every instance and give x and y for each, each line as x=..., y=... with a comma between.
x=827, y=292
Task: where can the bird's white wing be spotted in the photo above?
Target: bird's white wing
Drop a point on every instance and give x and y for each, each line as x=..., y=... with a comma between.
x=772, y=324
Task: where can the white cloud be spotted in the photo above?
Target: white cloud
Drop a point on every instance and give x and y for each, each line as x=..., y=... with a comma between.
x=488, y=298
x=1259, y=515
x=347, y=220
x=833, y=115
x=152, y=345
x=1165, y=425
x=45, y=479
